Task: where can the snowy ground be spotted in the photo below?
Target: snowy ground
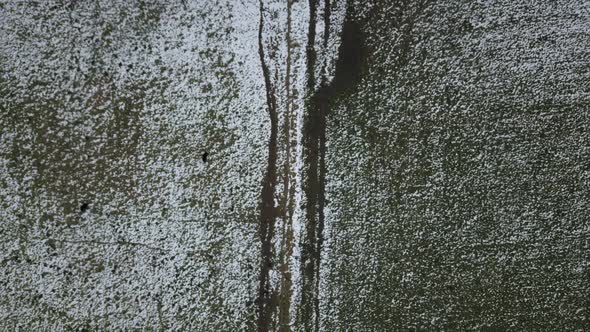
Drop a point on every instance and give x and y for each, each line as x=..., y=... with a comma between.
x=431, y=165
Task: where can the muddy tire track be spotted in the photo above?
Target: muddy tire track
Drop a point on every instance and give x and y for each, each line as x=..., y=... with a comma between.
x=267, y=209
x=349, y=65
x=317, y=109
x=310, y=185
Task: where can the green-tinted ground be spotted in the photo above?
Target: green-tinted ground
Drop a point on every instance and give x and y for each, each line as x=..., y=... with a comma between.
x=429, y=169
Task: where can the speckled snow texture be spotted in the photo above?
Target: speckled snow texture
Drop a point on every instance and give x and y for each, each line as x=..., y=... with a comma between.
x=458, y=171
x=458, y=183
x=112, y=104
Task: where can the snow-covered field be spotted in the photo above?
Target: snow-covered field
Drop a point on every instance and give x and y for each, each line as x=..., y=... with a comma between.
x=430, y=166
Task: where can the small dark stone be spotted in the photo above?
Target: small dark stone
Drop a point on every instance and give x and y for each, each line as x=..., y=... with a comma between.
x=84, y=207
x=204, y=156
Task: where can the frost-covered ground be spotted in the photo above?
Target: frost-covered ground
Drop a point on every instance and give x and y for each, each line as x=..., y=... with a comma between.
x=110, y=218
x=371, y=165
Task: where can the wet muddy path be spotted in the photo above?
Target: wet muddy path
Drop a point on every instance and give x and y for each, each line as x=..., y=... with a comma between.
x=275, y=303
x=266, y=207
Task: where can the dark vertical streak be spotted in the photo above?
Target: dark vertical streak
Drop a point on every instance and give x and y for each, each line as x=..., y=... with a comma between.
x=267, y=209
x=323, y=99
x=310, y=151
x=349, y=66
x=327, y=17
x=314, y=129
x=310, y=49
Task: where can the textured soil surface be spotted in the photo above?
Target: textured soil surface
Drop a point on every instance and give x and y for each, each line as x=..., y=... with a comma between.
x=282, y=165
